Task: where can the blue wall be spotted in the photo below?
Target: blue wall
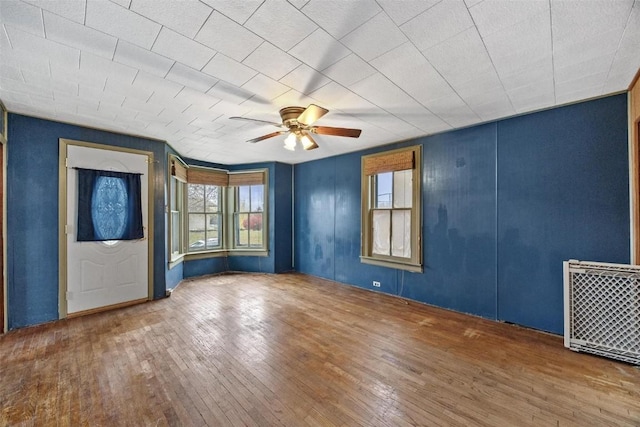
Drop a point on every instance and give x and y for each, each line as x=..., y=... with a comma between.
x=32, y=213
x=503, y=205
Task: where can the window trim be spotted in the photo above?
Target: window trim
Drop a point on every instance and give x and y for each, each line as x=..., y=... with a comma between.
x=228, y=210
x=413, y=264
x=231, y=212
x=176, y=168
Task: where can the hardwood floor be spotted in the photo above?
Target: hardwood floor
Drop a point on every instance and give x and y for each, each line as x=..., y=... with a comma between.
x=264, y=350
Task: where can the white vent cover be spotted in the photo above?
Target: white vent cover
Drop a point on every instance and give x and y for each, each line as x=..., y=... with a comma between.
x=602, y=309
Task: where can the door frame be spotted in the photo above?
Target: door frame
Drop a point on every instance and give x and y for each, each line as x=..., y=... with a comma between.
x=62, y=220
x=4, y=308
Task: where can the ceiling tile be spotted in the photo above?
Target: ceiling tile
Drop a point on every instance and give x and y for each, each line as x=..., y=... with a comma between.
x=151, y=108
x=122, y=23
x=113, y=71
x=120, y=87
x=11, y=72
x=23, y=59
x=572, y=24
x=349, y=70
x=123, y=3
x=265, y=87
x=239, y=11
x=230, y=94
x=460, y=58
x=154, y=84
x=271, y=61
x=595, y=81
x=600, y=64
x=493, y=16
x=18, y=86
x=227, y=36
x=292, y=97
x=517, y=47
x=586, y=49
x=35, y=45
x=339, y=17
x=280, y=23
x=453, y=111
x=101, y=96
x=225, y=68
x=535, y=71
x=46, y=82
x=375, y=37
x=335, y=96
x=536, y=95
x=482, y=88
x=407, y=68
x=61, y=71
x=134, y=56
x=23, y=16
x=493, y=106
x=380, y=91
x=73, y=10
x=437, y=24
x=182, y=49
x=75, y=35
x=403, y=10
x=305, y=79
x=192, y=78
x=188, y=96
x=185, y=16
x=319, y=50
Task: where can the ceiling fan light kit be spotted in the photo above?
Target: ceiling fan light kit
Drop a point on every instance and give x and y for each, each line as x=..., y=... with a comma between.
x=298, y=123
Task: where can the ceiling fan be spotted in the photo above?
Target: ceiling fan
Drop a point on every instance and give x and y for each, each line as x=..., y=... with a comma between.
x=297, y=122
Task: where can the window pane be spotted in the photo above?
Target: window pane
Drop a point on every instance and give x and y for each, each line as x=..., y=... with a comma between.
x=212, y=194
x=196, y=232
x=195, y=198
x=255, y=229
x=242, y=229
x=381, y=232
x=402, y=182
x=257, y=198
x=244, y=201
x=383, y=190
x=172, y=190
x=213, y=231
x=175, y=232
x=401, y=230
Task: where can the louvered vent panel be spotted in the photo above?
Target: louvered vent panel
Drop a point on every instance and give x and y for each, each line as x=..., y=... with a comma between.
x=602, y=309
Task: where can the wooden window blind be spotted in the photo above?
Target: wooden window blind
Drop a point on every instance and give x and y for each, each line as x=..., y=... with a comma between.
x=178, y=170
x=388, y=162
x=207, y=177
x=249, y=178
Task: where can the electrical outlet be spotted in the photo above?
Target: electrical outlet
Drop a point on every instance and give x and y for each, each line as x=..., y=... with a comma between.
x=376, y=284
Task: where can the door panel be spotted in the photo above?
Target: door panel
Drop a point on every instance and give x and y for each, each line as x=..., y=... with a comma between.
x=101, y=274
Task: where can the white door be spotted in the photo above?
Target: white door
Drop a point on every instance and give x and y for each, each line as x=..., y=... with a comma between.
x=101, y=274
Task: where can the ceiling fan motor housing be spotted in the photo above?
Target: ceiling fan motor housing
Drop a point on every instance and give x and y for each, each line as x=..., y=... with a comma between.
x=290, y=116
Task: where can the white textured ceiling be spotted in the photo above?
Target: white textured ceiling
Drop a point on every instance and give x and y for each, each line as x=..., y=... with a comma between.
x=176, y=70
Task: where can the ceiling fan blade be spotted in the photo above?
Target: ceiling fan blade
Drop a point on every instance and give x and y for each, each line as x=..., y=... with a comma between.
x=258, y=121
x=271, y=135
x=310, y=144
x=311, y=114
x=326, y=130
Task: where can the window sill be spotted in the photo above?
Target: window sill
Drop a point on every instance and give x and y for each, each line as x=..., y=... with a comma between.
x=224, y=253
x=176, y=261
x=407, y=266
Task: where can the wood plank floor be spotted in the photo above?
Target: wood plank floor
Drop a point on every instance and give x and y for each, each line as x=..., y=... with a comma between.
x=269, y=350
